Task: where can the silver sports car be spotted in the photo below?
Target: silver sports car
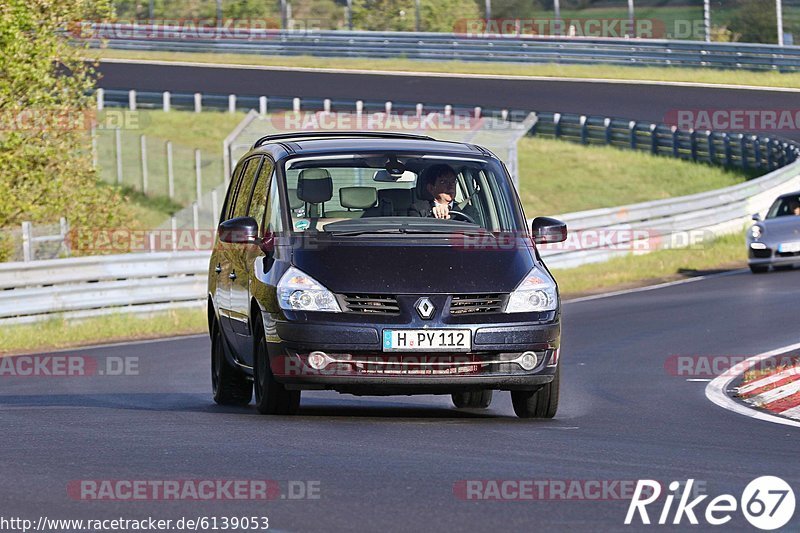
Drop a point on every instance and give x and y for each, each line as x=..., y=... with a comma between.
x=776, y=239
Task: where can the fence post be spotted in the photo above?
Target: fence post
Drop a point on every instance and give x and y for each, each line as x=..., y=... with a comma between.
x=296, y=105
x=198, y=102
x=448, y=110
x=693, y=135
x=94, y=146
x=388, y=108
x=170, y=172
x=584, y=130
x=27, y=242
x=231, y=103
x=556, y=125
x=118, y=152
x=100, y=99
x=198, y=174
x=326, y=105
x=477, y=112
x=743, y=149
x=166, y=102
x=712, y=149
x=757, y=151
x=770, y=161
x=143, y=151
x=632, y=129
x=132, y=100
x=419, y=110
x=262, y=105
x=214, y=208
x=675, y=142
x=359, y=108
x=195, y=217
x=64, y=231
x=173, y=225
x=504, y=114
x=653, y=139
x=607, y=125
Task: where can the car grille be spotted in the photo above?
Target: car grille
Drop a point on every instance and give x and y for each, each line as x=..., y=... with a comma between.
x=762, y=254
x=463, y=304
x=371, y=304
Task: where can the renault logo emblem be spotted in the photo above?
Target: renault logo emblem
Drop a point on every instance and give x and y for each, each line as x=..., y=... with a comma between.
x=425, y=308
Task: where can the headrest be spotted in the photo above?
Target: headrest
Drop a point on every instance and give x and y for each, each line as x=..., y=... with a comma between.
x=358, y=197
x=294, y=201
x=400, y=198
x=314, y=185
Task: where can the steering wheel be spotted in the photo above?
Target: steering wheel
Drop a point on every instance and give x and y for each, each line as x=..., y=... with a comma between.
x=462, y=215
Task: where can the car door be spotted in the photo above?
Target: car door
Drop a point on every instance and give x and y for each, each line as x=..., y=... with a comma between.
x=243, y=270
x=230, y=254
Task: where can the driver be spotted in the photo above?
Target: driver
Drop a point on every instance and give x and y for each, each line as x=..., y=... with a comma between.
x=440, y=182
x=794, y=207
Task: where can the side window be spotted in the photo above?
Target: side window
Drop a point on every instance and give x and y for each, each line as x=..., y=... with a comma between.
x=230, y=197
x=273, y=218
x=258, y=200
x=242, y=201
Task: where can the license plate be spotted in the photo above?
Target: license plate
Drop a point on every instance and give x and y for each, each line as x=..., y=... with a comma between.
x=412, y=340
x=789, y=247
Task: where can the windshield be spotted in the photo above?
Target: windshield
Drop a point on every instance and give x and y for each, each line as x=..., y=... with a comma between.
x=786, y=206
x=400, y=193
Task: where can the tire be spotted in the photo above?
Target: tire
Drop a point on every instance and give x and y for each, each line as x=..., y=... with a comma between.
x=473, y=399
x=542, y=403
x=757, y=269
x=272, y=398
x=229, y=385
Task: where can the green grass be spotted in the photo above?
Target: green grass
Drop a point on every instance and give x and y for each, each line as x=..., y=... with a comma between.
x=60, y=333
x=663, y=265
x=560, y=177
x=713, y=76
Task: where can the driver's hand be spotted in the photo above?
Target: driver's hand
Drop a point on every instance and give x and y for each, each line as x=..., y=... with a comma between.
x=441, y=211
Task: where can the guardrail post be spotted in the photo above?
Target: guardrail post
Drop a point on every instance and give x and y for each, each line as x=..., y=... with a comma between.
x=359, y=108
x=448, y=110
x=504, y=114
x=166, y=101
x=477, y=112
x=198, y=175
x=726, y=143
x=693, y=137
x=757, y=151
x=607, y=126
x=675, y=142
x=173, y=225
x=584, y=130
x=118, y=153
x=743, y=148
x=100, y=95
x=419, y=110
x=195, y=216
x=326, y=105
x=388, y=108
x=296, y=105
x=198, y=102
x=770, y=157
x=132, y=100
x=712, y=149
x=170, y=172
x=231, y=103
x=557, y=125
x=262, y=105
x=632, y=129
x=143, y=152
x=653, y=139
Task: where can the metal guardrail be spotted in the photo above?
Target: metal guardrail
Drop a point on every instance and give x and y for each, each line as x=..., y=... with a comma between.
x=459, y=47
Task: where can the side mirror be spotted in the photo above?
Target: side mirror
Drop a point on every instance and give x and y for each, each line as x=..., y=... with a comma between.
x=240, y=230
x=757, y=217
x=548, y=230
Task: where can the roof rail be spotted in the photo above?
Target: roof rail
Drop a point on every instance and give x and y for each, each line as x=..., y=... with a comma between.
x=323, y=134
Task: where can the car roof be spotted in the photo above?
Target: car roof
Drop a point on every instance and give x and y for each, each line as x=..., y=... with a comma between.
x=319, y=143
x=789, y=194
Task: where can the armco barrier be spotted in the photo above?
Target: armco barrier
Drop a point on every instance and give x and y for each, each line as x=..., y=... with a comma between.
x=451, y=46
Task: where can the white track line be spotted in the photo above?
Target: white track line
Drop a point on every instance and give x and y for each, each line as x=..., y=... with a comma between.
x=775, y=394
x=450, y=75
x=86, y=347
x=716, y=390
x=793, y=412
x=769, y=380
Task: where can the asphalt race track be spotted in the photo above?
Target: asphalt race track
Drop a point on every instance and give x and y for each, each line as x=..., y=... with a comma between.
x=390, y=464
x=624, y=100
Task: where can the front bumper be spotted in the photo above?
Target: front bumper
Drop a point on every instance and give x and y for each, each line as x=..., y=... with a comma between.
x=356, y=362
x=770, y=256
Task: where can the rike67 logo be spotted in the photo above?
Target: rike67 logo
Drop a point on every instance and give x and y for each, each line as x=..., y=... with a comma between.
x=767, y=503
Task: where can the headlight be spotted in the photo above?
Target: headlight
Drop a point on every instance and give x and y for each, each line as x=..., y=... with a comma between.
x=297, y=291
x=756, y=232
x=537, y=292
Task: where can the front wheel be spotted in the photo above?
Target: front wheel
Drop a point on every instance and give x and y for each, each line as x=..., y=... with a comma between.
x=230, y=385
x=480, y=399
x=542, y=403
x=272, y=398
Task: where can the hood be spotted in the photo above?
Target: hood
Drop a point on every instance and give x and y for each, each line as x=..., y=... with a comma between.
x=781, y=229
x=385, y=267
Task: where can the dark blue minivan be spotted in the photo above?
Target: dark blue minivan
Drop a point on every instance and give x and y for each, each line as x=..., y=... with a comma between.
x=377, y=264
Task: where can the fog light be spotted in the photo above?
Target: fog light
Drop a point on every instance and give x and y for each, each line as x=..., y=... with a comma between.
x=528, y=361
x=317, y=360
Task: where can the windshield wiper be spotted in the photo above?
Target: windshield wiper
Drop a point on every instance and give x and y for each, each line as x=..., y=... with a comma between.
x=416, y=231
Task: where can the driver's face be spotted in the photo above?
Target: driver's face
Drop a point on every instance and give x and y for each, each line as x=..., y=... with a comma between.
x=444, y=188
